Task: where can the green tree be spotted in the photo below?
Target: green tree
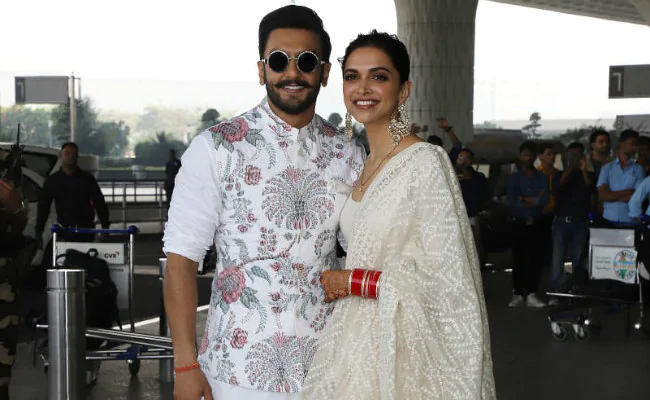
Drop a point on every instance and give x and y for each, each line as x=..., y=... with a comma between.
x=579, y=134
x=34, y=125
x=92, y=135
x=335, y=119
x=487, y=125
x=531, y=129
x=155, y=151
x=174, y=121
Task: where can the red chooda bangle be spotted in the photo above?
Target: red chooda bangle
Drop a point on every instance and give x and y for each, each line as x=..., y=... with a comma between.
x=365, y=283
x=180, y=370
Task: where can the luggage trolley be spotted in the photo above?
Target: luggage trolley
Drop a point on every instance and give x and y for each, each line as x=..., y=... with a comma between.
x=120, y=259
x=613, y=279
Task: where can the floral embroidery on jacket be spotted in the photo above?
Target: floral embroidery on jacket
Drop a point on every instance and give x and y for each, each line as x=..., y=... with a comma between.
x=276, y=233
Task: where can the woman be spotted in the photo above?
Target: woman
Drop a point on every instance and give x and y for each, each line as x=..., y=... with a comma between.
x=414, y=325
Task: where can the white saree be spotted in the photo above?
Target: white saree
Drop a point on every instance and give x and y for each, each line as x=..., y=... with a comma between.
x=427, y=335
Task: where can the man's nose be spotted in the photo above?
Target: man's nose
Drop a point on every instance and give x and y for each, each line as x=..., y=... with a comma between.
x=292, y=69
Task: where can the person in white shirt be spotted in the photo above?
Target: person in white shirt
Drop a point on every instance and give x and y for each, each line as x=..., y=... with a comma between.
x=263, y=188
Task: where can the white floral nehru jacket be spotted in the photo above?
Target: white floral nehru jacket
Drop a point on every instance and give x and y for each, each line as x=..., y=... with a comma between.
x=263, y=191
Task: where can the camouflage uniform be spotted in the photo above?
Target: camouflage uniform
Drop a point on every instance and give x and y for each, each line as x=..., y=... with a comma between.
x=11, y=252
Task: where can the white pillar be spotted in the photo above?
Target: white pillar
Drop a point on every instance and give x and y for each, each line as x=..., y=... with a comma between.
x=439, y=35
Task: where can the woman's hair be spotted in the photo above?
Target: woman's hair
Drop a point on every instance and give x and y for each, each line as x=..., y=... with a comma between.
x=294, y=17
x=389, y=44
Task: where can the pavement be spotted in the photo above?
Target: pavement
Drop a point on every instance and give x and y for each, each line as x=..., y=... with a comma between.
x=528, y=362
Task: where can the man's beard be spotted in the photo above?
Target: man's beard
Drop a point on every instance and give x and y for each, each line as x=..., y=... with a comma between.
x=272, y=91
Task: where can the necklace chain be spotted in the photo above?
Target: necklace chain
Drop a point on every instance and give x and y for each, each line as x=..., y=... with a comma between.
x=363, y=182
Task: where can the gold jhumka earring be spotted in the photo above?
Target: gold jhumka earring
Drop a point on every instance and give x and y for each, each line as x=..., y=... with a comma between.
x=399, y=126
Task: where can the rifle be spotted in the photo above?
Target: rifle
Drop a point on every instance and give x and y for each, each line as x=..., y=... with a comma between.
x=11, y=169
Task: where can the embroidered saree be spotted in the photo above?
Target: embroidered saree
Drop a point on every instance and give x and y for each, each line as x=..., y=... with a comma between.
x=427, y=335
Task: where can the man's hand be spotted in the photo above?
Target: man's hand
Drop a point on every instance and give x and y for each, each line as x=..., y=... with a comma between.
x=335, y=284
x=192, y=385
x=443, y=123
x=9, y=198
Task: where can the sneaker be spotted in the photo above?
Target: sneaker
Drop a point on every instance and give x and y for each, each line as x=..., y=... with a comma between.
x=535, y=302
x=517, y=300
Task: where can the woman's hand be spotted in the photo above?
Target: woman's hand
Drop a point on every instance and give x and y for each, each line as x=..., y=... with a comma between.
x=336, y=284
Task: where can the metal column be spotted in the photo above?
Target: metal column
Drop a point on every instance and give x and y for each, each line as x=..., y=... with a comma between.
x=66, y=334
x=166, y=367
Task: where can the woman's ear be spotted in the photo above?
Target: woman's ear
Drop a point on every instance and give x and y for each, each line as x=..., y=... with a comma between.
x=405, y=91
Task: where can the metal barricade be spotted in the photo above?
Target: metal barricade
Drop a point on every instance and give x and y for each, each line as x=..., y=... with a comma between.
x=67, y=342
x=166, y=367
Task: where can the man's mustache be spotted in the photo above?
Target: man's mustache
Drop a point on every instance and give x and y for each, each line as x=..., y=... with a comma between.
x=282, y=84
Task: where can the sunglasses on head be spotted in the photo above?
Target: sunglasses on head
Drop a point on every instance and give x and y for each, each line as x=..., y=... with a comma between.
x=307, y=61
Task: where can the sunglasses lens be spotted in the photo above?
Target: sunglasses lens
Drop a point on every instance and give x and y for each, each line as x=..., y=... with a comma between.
x=277, y=61
x=307, y=62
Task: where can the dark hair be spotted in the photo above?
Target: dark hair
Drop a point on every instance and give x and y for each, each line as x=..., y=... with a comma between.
x=387, y=43
x=543, y=146
x=467, y=150
x=643, y=141
x=70, y=144
x=598, y=132
x=294, y=17
x=576, y=145
x=628, y=134
x=527, y=145
x=434, y=139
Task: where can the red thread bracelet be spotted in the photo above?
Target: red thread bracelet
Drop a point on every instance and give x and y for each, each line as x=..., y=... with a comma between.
x=187, y=368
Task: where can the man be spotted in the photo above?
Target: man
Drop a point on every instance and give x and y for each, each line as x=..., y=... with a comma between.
x=573, y=189
x=474, y=187
x=13, y=218
x=263, y=187
x=599, y=155
x=643, y=154
x=527, y=195
x=640, y=211
x=171, y=170
x=600, y=144
x=546, y=156
x=76, y=197
x=456, y=144
x=435, y=140
x=619, y=179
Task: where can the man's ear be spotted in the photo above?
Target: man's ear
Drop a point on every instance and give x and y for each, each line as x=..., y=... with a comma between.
x=325, y=74
x=261, y=73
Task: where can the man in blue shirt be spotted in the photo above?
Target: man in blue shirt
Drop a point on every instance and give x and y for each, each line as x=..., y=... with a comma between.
x=527, y=194
x=639, y=209
x=619, y=179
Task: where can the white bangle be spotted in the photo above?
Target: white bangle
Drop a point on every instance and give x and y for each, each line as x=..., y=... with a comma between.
x=350, y=282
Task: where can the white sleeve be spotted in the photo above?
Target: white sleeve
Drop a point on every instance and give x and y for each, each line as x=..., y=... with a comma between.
x=195, y=207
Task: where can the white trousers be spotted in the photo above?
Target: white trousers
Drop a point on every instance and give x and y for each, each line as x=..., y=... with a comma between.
x=224, y=391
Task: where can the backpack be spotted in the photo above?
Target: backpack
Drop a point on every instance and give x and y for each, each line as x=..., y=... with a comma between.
x=101, y=292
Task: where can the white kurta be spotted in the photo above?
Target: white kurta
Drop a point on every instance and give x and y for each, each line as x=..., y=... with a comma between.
x=427, y=336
